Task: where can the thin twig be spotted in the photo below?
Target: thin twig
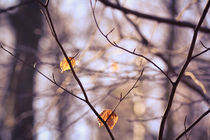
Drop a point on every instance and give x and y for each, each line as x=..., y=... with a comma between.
x=51, y=25
x=153, y=17
x=129, y=91
x=185, y=119
x=203, y=44
x=123, y=98
x=117, y=46
x=206, y=49
x=193, y=57
x=193, y=124
x=145, y=120
x=126, y=11
x=34, y=68
x=188, y=60
x=52, y=28
x=144, y=40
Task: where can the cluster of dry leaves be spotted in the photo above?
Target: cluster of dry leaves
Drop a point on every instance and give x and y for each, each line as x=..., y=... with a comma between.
x=107, y=115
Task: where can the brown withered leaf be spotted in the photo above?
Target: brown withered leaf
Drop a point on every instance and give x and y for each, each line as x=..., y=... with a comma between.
x=112, y=119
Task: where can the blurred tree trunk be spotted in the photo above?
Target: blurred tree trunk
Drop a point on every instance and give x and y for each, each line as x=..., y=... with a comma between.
x=27, y=23
x=62, y=116
x=171, y=40
x=63, y=105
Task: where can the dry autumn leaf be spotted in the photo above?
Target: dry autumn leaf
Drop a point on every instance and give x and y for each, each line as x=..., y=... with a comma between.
x=112, y=119
x=64, y=65
x=115, y=66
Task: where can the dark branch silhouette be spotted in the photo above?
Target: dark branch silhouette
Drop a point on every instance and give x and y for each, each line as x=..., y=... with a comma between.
x=193, y=124
x=154, y=18
x=44, y=6
x=54, y=34
x=117, y=46
x=34, y=68
x=188, y=60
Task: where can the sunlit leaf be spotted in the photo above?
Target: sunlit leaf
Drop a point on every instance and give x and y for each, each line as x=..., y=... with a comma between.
x=64, y=65
x=112, y=119
x=191, y=75
x=115, y=66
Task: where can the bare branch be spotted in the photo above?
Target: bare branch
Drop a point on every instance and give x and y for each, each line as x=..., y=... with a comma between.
x=145, y=120
x=123, y=97
x=52, y=28
x=193, y=124
x=152, y=17
x=203, y=44
x=144, y=40
x=206, y=49
x=34, y=68
x=51, y=25
x=193, y=57
x=117, y=46
x=188, y=60
x=129, y=91
x=185, y=119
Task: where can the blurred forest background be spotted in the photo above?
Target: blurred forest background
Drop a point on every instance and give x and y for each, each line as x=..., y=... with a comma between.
x=31, y=107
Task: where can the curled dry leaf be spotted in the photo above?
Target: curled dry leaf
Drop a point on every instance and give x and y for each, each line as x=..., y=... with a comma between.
x=112, y=119
x=64, y=65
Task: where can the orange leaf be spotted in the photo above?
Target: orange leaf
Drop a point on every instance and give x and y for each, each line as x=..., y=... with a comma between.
x=112, y=119
x=64, y=65
x=115, y=66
